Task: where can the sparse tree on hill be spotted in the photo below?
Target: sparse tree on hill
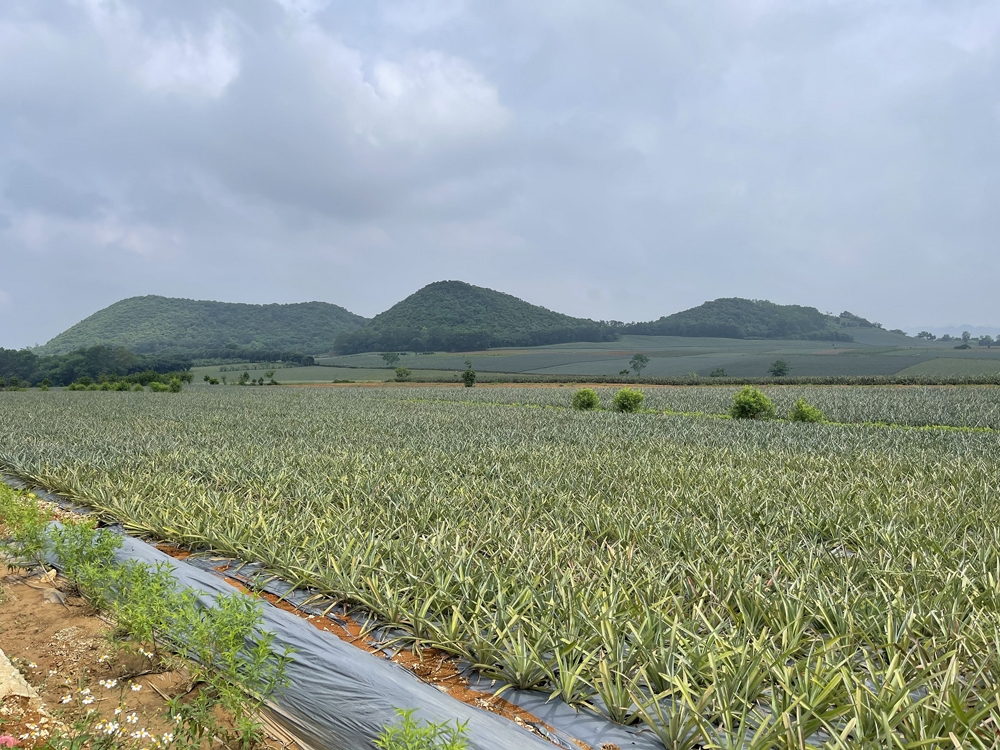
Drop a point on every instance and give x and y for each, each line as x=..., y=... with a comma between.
x=966, y=336
x=638, y=362
x=390, y=358
x=779, y=368
x=469, y=376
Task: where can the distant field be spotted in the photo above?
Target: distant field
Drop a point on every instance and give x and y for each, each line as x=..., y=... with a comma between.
x=875, y=352
x=314, y=374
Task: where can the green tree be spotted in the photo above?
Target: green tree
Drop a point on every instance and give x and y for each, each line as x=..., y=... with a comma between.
x=803, y=411
x=966, y=336
x=469, y=376
x=586, y=399
x=751, y=403
x=719, y=372
x=926, y=335
x=638, y=362
x=779, y=368
x=628, y=400
x=402, y=374
x=390, y=358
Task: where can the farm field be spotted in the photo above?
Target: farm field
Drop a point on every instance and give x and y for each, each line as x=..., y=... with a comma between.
x=314, y=374
x=711, y=578
x=875, y=352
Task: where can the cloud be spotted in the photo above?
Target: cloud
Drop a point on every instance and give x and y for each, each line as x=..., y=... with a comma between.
x=842, y=154
x=174, y=60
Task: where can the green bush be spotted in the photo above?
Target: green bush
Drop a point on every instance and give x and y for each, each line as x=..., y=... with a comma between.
x=402, y=374
x=157, y=387
x=411, y=734
x=628, y=400
x=803, y=411
x=586, y=399
x=469, y=376
x=751, y=403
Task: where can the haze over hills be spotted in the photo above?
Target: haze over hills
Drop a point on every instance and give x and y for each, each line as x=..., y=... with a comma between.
x=455, y=316
x=153, y=324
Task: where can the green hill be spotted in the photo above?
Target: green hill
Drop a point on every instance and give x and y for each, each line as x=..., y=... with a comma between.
x=455, y=316
x=155, y=324
x=737, y=318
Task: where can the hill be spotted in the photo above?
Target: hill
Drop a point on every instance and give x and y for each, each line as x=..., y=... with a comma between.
x=455, y=316
x=155, y=324
x=737, y=318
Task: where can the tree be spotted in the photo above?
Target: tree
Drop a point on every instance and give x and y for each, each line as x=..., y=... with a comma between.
x=638, y=362
x=586, y=399
x=779, y=368
x=390, y=358
x=469, y=376
x=966, y=336
x=628, y=400
x=926, y=335
x=751, y=403
x=402, y=374
x=986, y=341
x=624, y=373
x=269, y=374
x=719, y=372
x=803, y=411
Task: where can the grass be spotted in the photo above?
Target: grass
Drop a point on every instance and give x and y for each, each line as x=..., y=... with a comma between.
x=773, y=580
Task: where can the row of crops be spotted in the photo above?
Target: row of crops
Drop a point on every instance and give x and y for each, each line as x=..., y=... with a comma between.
x=956, y=406
x=712, y=579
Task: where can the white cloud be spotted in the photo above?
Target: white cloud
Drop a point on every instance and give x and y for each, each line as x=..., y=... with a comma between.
x=166, y=60
x=430, y=99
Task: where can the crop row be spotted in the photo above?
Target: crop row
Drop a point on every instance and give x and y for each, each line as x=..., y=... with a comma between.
x=711, y=578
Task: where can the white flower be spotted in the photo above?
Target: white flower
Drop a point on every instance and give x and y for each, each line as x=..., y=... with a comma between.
x=136, y=687
x=118, y=710
x=53, y=672
x=66, y=699
x=132, y=718
x=88, y=700
x=32, y=665
x=85, y=691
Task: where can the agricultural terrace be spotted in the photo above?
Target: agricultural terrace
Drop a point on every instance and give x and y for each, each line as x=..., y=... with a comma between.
x=707, y=576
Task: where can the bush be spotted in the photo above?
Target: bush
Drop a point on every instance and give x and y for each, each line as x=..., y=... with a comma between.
x=586, y=399
x=469, y=376
x=803, y=411
x=402, y=374
x=175, y=385
x=411, y=734
x=751, y=403
x=628, y=400
x=157, y=387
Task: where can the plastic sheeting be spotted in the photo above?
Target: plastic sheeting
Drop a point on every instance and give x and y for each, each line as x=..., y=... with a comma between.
x=340, y=697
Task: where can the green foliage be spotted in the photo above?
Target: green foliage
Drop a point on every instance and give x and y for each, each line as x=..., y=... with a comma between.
x=737, y=318
x=229, y=656
x=155, y=324
x=390, y=358
x=803, y=411
x=455, y=316
x=174, y=386
x=403, y=374
x=95, y=363
x=638, y=362
x=469, y=375
x=586, y=399
x=24, y=522
x=751, y=403
x=410, y=734
x=779, y=368
x=628, y=400
x=719, y=372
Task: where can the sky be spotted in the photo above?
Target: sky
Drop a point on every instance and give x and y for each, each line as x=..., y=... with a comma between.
x=607, y=159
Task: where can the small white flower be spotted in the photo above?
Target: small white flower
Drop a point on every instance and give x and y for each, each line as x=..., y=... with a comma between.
x=32, y=665
x=88, y=700
x=85, y=691
x=118, y=710
x=67, y=699
x=53, y=672
x=132, y=718
x=136, y=687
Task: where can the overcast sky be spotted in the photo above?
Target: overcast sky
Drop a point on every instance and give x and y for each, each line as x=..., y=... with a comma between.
x=615, y=159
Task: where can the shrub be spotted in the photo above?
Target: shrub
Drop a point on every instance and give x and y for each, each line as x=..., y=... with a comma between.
x=751, y=403
x=586, y=399
x=628, y=400
x=803, y=411
x=157, y=387
x=469, y=376
x=779, y=368
x=402, y=374
x=411, y=734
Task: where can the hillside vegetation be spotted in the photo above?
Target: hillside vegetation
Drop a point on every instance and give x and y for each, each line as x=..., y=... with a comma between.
x=455, y=316
x=737, y=318
x=21, y=367
x=155, y=324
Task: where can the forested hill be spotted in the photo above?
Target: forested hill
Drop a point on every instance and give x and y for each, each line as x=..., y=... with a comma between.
x=455, y=316
x=156, y=324
x=738, y=318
